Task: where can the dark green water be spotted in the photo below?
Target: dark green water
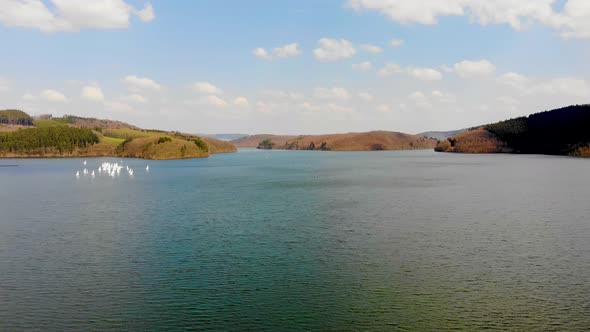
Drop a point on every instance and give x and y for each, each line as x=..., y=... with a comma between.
x=292, y=241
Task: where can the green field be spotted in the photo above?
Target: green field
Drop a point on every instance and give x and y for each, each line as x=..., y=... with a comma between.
x=128, y=133
x=39, y=123
x=112, y=140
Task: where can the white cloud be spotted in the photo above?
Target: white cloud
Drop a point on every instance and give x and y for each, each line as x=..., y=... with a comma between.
x=472, y=69
x=573, y=21
x=363, y=66
x=215, y=101
x=371, y=48
x=147, y=14
x=332, y=93
x=53, y=96
x=118, y=106
x=443, y=97
x=424, y=74
x=262, y=53
x=338, y=108
x=92, y=93
x=287, y=51
x=281, y=95
x=446, y=68
x=420, y=99
x=562, y=86
x=508, y=100
x=136, y=98
x=4, y=85
x=396, y=42
x=384, y=108
x=28, y=97
x=70, y=15
x=418, y=95
x=389, y=69
x=334, y=49
x=366, y=96
x=136, y=83
x=206, y=88
x=515, y=81
x=241, y=101
x=410, y=11
x=265, y=107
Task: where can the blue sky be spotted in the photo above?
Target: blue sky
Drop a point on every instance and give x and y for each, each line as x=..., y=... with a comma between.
x=190, y=65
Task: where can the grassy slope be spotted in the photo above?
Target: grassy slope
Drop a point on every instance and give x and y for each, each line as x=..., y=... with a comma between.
x=123, y=140
x=368, y=141
x=43, y=123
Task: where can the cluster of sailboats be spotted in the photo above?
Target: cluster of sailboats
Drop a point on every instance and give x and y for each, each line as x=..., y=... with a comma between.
x=108, y=169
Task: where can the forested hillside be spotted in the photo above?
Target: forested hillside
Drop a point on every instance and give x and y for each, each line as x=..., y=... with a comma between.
x=15, y=117
x=72, y=136
x=563, y=131
x=47, y=140
x=559, y=131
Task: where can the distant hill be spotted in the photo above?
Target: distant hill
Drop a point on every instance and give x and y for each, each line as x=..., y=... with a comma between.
x=254, y=140
x=72, y=136
x=96, y=123
x=15, y=117
x=367, y=141
x=224, y=137
x=564, y=131
x=440, y=135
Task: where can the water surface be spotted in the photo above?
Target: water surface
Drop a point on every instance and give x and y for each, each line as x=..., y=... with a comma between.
x=298, y=240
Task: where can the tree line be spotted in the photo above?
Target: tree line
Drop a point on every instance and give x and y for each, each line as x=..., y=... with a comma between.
x=558, y=131
x=62, y=139
x=15, y=117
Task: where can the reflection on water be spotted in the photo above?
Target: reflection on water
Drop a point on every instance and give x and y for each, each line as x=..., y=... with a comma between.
x=275, y=240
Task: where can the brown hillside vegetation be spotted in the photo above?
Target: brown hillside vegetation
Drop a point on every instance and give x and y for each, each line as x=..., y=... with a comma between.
x=219, y=146
x=368, y=141
x=153, y=147
x=9, y=128
x=583, y=151
x=96, y=123
x=254, y=140
x=476, y=140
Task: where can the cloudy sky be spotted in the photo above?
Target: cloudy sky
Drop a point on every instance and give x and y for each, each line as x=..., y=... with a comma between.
x=294, y=66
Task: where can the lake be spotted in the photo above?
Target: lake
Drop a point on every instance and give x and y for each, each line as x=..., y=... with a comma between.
x=297, y=240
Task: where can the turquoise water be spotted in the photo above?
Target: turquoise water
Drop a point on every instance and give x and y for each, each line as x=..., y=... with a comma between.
x=297, y=240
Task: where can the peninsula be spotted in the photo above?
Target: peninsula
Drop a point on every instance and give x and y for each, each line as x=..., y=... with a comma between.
x=22, y=136
x=366, y=141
